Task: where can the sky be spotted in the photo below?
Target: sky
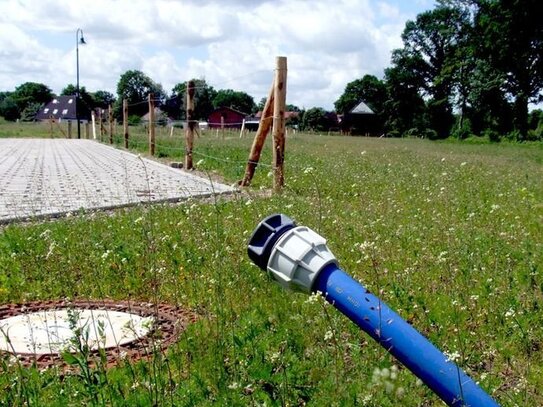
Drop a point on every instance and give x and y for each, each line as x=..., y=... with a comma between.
x=232, y=44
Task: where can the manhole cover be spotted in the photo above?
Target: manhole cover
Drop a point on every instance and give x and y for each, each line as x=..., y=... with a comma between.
x=38, y=332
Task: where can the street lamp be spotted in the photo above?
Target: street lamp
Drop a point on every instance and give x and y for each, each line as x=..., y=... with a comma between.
x=78, y=40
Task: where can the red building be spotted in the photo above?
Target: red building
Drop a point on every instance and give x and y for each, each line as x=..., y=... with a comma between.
x=231, y=118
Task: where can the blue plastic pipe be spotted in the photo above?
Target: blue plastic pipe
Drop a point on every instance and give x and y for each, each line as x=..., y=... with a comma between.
x=366, y=310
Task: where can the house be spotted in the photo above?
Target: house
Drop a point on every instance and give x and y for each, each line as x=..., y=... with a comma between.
x=230, y=118
x=161, y=118
x=361, y=120
x=252, y=122
x=63, y=108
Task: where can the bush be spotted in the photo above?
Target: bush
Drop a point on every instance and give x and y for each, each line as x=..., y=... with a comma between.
x=492, y=135
x=29, y=113
x=536, y=135
x=462, y=132
x=394, y=133
x=134, y=120
x=514, y=135
x=430, y=134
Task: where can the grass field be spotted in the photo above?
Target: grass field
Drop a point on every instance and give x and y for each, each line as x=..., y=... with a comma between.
x=449, y=234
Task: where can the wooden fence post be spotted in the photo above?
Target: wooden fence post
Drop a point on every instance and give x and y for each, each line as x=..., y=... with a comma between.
x=151, y=124
x=189, y=132
x=110, y=118
x=279, y=103
x=51, y=125
x=264, y=127
x=101, y=125
x=93, y=118
x=69, y=129
x=222, y=127
x=242, y=128
x=125, y=122
x=87, y=130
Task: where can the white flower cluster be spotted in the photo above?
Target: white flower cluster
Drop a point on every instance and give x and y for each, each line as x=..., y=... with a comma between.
x=387, y=378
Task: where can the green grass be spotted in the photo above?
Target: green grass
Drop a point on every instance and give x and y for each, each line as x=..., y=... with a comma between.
x=449, y=234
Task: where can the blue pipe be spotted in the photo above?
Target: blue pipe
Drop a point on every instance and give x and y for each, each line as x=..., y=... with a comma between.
x=299, y=259
x=399, y=338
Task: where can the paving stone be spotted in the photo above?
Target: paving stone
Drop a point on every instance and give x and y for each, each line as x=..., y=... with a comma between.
x=52, y=176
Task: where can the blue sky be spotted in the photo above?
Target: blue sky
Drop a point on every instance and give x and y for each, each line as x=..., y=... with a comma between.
x=232, y=44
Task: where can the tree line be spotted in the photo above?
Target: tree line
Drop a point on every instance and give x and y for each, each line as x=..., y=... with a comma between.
x=467, y=67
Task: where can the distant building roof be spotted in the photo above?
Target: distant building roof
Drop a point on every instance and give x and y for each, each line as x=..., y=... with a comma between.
x=287, y=115
x=159, y=114
x=226, y=108
x=62, y=107
x=361, y=108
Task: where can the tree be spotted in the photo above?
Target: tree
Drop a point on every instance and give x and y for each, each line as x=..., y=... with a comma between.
x=30, y=93
x=368, y=89
x=433, y=39
x=289, y=108
x=4, y=95
x=240, y=101
x=9, y=109
x=511, y=39
x=316, y=119
x=135, y=86
x=103, y=98
x=30, y=111
x=404, y=108
x=85, y=98
x=203, y=100
x=260, y=105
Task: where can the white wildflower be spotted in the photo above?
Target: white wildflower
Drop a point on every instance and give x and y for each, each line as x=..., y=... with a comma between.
x=452, y=356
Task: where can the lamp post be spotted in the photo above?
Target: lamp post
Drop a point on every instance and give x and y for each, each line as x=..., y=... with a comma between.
x=78, y=40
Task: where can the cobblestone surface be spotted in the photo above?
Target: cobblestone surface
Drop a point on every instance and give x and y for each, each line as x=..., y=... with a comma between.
x=48, y=177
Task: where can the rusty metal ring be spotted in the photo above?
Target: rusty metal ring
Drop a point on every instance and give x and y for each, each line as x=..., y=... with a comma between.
x=168, y=323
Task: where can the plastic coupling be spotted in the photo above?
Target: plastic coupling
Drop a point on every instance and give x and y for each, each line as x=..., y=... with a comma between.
x=294, y=256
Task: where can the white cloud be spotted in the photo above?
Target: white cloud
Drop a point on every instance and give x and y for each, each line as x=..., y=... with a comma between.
x=232, y=44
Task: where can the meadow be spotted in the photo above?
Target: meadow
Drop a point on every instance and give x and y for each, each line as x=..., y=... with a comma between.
x=449, y=234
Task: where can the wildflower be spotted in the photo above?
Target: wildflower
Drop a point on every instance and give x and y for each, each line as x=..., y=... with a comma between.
x=328, y=335
x=510, y=313
x=494, y=208
x=274, y=357
x=452, y=357
x=314, y=297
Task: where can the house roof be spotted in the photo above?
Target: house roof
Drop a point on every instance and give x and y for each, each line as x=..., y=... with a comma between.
x=159, y=113
x=287, y=115
x=222, y=108
x=61, y=107
x=361, y=108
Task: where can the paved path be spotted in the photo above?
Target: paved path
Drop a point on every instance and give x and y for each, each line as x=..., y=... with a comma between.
x=47, y=177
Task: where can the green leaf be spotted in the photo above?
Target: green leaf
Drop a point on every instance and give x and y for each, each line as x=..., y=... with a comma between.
x=69, y=358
